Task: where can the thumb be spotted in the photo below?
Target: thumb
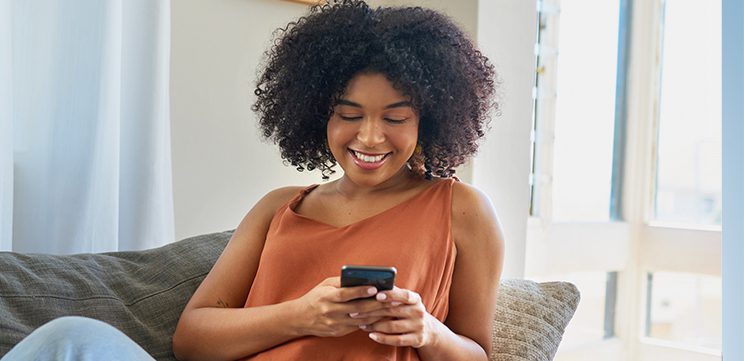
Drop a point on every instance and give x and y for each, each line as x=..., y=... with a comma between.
x=332, y=281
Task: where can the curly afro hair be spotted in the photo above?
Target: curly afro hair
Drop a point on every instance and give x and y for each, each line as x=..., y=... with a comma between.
x=421, y=51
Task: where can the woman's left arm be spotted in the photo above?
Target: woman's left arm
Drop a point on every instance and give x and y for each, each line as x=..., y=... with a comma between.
x=466, y=333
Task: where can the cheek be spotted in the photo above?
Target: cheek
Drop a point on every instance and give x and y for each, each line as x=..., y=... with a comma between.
x=337, y=136
x=408, y=139
x=332, y=130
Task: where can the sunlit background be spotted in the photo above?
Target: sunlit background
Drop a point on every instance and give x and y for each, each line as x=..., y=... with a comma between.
x=628, y=134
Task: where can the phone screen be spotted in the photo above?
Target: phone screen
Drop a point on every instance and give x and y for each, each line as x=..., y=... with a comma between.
x=383, y=278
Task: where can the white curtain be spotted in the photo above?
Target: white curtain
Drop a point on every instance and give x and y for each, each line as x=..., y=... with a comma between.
x=85, y=161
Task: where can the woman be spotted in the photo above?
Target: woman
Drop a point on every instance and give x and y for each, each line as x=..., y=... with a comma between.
x=397, y=97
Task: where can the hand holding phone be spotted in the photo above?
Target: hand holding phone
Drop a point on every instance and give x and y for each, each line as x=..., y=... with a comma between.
x=383, y=278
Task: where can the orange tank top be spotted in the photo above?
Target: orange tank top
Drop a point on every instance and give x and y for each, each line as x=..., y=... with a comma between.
x=413, y=236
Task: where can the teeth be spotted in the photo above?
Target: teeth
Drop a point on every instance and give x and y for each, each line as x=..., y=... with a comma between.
x=369, y=158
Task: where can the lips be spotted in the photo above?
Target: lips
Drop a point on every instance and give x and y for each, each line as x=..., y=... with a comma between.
x=368, y=161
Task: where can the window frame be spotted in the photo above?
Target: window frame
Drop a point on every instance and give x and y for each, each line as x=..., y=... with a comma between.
x=630, y=243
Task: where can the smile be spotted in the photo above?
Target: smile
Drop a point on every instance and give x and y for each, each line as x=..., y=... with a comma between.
x=369, y=158
x=368, y=161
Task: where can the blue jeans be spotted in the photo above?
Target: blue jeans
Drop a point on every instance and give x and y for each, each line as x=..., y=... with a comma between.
x=76, y=339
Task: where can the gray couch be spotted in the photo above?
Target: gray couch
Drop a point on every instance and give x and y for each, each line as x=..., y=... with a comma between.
x=142, y=294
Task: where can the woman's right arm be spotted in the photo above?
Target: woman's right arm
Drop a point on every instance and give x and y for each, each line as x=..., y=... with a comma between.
x=215, y=326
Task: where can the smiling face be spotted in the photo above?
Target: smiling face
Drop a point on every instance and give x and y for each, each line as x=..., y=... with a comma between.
x=373, y=130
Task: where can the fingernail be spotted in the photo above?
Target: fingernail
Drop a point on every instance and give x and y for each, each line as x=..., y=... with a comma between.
x=363, y=327
x=396, y=303
x=381, y=297
x=373, y=336
x=354, y=314
x=371, y=290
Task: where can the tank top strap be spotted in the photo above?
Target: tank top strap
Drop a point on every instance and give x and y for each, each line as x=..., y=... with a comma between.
x=301, y=194
x=447, y=184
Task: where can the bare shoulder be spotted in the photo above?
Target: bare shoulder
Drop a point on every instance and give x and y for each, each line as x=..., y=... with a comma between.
x=263, y=211
x=466, y=196
x=474, y=218
x=276, y=198
x=470, y=204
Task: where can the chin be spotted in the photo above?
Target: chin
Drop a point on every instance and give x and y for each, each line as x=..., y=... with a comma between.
x=365, y=180
x=372, y=178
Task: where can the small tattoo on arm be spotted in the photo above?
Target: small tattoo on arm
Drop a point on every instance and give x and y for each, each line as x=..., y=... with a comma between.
x=222, y=303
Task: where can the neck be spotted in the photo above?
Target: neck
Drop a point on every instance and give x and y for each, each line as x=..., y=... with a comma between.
x=401, y=180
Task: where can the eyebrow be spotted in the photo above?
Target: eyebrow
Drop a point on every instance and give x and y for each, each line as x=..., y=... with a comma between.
x=350, y=103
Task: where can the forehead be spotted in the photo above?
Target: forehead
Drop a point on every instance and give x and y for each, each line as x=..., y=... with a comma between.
x=372, y=89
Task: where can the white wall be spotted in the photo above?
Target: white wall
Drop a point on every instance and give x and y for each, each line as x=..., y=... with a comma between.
x=220, y=165
x=463, y=12
x=507, y=30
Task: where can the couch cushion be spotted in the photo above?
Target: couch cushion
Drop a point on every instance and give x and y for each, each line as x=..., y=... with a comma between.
x=530, y=319
x=140, y=293
x=143, y=293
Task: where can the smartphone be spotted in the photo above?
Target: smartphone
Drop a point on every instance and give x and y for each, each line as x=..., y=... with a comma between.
x=383, y=278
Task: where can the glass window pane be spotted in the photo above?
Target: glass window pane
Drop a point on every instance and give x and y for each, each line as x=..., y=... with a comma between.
x=688, y=188
x=592, y=317
x=585, y=109
x=685, y=308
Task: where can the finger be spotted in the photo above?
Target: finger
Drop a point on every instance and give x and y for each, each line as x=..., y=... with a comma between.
x=356, y=307
x=341, y=330
x=363, y=323
x=408, y=339
x=395, y=312
x=400, y=296
x=343, y=319
x=391, y=326
x=346, y=294
x=368, y=305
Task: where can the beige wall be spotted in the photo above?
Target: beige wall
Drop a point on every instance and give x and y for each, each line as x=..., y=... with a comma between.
x=221, y=167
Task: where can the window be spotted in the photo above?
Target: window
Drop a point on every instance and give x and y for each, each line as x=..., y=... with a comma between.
x=688, y=187
x=584, y=110
x=685, y=309
x=626, y=191
x=575, y=110
x=595, y=316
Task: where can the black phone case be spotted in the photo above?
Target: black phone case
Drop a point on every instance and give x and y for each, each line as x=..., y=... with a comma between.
x=383, y=278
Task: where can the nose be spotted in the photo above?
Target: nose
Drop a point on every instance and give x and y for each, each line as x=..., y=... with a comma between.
x=370, y=132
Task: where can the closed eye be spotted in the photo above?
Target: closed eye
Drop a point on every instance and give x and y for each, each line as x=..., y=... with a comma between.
x=396, y=120
x=354, y=117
